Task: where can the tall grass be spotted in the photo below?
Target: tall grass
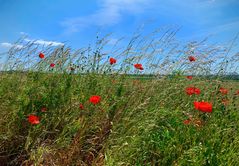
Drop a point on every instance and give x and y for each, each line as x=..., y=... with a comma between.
x=138, y=121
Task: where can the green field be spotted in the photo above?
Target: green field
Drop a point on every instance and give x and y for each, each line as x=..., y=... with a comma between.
x=137, y=122
x=146, y=111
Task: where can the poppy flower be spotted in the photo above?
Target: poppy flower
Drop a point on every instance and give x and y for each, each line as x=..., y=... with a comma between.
x=197, y=91
x=52, y=65
x=192, y=90
x=95, y=99
x=223, y=91
x=41, y=55
x=112, y=61
x=81, y=106
x=72, y=68
x=186, y=122
x=33, y=119
x=138, y=66
x=203, y=106
x=43, y=109
x=189, y=77
x=192, y=58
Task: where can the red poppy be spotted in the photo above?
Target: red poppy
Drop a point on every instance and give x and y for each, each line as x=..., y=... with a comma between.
x=52, y=65
x=192, y=90
x=81, y=106
x=41, y=55
x=72, y=68
x=203, y=106
x=43, y=109
x=186, y=122
x=223, y=91
x=138, y=66
x=192, y=58
x=197, y=91
x=112, y=61
x=95, y=99
x=189, y=77
x=33, y=119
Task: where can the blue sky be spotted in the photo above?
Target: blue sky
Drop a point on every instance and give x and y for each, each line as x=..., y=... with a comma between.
x=77, y=22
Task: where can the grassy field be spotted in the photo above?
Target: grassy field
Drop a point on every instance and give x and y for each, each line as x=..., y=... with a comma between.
x=132, y=121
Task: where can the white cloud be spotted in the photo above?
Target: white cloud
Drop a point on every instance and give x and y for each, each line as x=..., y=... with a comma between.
x=40, y=42
x=24, y=33
x=109, y=13
x=44, y=42
x=6, y=45
x=10, y=45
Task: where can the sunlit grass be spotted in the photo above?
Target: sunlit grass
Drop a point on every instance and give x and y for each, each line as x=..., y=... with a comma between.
x=139, y=119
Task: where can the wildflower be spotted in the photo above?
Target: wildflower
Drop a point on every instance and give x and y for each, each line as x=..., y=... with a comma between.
x=192, y=90
x=192, y=58
x=197, y=91
x=189, y=77
x=81, y=106
x=41, y=55
x=223, y=91
x=112, y=61
x=43, y=109
x=138, y=66
x=52, y=65
x=33, y=119
x=186, y=122
x=203, y=106
x=95, y=99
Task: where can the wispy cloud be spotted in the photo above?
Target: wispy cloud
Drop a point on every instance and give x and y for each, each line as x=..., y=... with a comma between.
x=10, y=45
x=39, y=42
x=23, y=33
x=109, y=13
x=44, y=42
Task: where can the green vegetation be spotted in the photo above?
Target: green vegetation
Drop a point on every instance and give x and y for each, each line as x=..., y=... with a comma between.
x=137, y=121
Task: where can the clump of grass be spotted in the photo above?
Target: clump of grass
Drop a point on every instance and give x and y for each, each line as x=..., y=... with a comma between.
x=140, y=118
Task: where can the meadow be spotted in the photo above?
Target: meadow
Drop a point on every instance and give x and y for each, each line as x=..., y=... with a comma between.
x=151, y=102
